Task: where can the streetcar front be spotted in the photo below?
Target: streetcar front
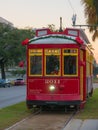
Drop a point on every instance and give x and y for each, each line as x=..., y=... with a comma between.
x=53, y=71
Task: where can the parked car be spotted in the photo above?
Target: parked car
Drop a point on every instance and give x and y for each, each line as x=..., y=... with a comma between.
x=19, y=81
x=5, y=83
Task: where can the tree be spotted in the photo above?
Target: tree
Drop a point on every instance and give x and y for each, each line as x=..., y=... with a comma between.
x=96, y=5
x=53, y=28
x=4, y=29
x=11, y=50
x=91, y=14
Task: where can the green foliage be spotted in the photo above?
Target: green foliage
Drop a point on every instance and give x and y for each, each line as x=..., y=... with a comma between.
x=11, y=50
x=91, y=15
x=95, y=2
x=91, y=109
x=52, y=27
x=95, y=71
x=95, y=79
x=18, y=72
x=10, y=43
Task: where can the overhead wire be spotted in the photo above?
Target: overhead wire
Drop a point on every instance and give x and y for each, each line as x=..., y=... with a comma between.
x=74, y=12
x=71, y=6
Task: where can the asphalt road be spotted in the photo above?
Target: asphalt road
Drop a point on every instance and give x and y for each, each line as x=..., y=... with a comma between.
x=12, y=95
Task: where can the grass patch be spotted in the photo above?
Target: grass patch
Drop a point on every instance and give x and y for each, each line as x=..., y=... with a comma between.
x=91, y=108
x=12, y=114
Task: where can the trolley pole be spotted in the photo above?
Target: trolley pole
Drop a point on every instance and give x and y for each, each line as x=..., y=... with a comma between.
x=60, y=30
x=90, y=25
x=87, y=25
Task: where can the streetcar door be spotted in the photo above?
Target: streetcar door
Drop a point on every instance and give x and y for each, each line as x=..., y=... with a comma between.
x=82, y=75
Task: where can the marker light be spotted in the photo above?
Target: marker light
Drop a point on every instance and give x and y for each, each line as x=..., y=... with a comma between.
x=52, y=88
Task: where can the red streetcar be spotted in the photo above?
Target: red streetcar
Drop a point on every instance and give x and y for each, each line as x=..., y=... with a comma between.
x=59, y=68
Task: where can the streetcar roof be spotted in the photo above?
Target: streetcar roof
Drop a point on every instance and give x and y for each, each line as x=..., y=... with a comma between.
x=53, y=38
x=68, y=36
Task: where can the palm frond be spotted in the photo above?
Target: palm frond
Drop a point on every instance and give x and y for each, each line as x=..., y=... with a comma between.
x=90, y=10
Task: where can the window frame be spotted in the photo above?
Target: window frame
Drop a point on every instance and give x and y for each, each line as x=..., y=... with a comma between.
x=39, y=54
x=54, y=54
x=70, y=54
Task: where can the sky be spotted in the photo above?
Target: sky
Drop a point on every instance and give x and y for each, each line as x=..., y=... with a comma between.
x=41, y=13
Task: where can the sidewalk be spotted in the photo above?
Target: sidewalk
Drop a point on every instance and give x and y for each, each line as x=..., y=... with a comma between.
x=78, y=124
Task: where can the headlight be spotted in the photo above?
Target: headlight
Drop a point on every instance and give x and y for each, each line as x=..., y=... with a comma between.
x=51, y=87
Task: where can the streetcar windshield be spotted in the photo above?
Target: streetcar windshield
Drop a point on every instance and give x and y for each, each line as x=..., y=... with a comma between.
x=52, y=65
x=52, y=58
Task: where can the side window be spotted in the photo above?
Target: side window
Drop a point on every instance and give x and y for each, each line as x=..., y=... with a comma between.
x=69, y=65
x=70, y=60
x=35, y=62
x=52, y=62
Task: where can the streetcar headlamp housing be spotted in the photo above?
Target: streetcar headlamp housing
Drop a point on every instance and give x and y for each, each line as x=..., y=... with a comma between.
x=51, y=87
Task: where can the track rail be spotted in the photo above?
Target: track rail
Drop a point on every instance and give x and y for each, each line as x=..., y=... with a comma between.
x=69, y=119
